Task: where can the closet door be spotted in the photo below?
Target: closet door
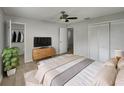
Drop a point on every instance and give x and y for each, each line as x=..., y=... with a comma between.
x=93, y=42
x=98, y=37
x=117, y=36
x=103, y=41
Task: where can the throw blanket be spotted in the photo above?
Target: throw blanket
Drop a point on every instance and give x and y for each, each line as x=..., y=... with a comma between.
x=50, y=66
x=56, y=78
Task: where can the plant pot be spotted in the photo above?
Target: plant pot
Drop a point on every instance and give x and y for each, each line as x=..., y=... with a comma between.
x=11, y=72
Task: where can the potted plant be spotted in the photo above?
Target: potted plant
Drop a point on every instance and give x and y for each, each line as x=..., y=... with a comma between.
x=10, y=57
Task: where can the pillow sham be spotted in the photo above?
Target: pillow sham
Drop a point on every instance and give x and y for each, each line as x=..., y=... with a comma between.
x=120, y=63
x=106, y=76
x=120, y=78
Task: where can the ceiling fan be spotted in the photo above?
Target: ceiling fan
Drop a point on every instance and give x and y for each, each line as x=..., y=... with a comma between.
x=66, y=17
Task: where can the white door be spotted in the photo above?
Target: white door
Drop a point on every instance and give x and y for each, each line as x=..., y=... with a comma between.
x=103, y=41
x=98, y=37
x=93, y=43
x=63, y=40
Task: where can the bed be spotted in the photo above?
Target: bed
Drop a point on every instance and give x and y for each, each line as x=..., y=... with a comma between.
x=65, y=70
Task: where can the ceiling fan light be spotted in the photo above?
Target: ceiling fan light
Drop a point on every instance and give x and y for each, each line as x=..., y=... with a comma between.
x=63, y=20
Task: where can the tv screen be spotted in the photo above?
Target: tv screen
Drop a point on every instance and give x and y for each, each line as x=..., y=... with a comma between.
x=42, y=41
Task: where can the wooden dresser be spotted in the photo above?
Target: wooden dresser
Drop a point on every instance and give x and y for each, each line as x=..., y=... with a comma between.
x=41, y=53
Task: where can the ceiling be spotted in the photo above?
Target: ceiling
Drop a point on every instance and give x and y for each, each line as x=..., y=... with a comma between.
x=53, y=13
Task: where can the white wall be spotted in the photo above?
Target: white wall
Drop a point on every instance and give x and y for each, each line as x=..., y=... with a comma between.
x=80, y=39
x=81, y=32
x=1, y=39
x=40, y=29
x=1, y=31
x=43, y=28
x=117, y=36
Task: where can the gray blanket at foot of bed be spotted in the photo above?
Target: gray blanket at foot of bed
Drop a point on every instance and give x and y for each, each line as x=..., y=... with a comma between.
x=68, y=74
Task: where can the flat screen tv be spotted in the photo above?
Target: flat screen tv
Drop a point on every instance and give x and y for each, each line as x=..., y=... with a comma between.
x=42, y=41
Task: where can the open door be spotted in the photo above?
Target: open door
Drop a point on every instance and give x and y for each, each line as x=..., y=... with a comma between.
x=70, y=40
x=63, y=40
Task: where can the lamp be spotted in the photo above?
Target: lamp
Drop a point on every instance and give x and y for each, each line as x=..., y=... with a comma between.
x=118, y=54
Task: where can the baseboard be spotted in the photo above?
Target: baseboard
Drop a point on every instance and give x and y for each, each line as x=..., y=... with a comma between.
x=27, y=61
x=1, y=77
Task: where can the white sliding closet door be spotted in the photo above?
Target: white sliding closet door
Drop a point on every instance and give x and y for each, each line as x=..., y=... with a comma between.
x=103, y=41
x=98, y=37
x=93, y=43
x=117, y=36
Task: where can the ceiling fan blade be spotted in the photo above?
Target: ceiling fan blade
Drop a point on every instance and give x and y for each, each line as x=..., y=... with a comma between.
x=72, y=18
x=64, y=16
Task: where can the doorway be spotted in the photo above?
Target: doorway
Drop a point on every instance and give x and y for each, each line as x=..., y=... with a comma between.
x=66, y=40
x=70, y=40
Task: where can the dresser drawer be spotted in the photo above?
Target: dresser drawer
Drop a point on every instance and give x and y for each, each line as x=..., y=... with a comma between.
x=41, y=53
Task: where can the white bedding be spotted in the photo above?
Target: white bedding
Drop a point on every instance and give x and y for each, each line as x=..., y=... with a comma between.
x=44, y=69
x=84, y=78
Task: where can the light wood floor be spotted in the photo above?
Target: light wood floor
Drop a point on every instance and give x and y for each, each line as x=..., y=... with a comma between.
x=18, y=78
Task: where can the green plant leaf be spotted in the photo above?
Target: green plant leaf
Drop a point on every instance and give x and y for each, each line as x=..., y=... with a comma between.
x=7, y=68
x=7, y=63
x=14, y=59
x=14, y=51
x=10, y=58
x=5, y=59
x=15, y=54
x=8, y=55
x=14, y=64
x=4, y=51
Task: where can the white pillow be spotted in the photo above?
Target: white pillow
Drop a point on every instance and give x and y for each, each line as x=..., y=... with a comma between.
x=120, y=78
x=120, y=63
x=106, y=76
x=111, y=62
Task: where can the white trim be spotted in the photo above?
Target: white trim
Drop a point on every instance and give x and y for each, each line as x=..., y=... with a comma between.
x=117, y=21
x=59, y=41
x=24, y=43
x=88, y=42
x=24, y=37
x=18, y=23
x=1, y=77
x=109, y=40
x=103, y=22
x=96, y=24
x=27, y=61
x=10, y=34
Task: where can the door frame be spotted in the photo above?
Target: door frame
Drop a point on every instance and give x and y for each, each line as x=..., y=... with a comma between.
x=72, y=36
x=24, y=37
